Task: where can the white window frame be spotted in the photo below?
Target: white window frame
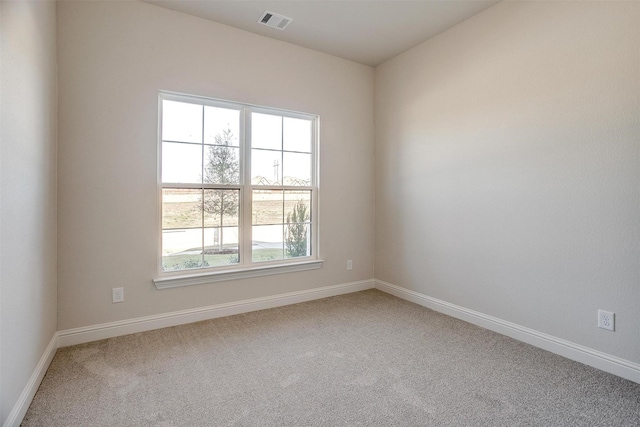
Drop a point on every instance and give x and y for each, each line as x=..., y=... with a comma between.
x=246, y=268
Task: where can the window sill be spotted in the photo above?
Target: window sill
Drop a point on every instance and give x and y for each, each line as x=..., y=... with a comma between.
x=220, y=276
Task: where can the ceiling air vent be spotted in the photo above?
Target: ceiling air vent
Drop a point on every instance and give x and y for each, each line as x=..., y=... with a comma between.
x=274, y=20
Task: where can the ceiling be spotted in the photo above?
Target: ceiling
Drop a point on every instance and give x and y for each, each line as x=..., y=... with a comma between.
x=364, y=31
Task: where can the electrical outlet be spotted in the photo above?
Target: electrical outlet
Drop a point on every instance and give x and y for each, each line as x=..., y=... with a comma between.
x=606, y=320
x=349, y=264
x=117, y=294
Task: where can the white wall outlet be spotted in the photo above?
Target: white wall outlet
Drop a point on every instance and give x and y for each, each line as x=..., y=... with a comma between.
x=606, y=320
x=117, y=294
x=349, y=264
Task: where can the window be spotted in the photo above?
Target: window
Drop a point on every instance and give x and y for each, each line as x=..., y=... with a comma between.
x=238, y=185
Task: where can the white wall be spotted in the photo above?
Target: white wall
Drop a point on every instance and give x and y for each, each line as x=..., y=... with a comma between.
x=507, y=168
x=28, y=192
x=114, y=57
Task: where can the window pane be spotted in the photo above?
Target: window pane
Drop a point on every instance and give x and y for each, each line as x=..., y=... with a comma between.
x=297, y=206
x=181, y=122
x=221, y=246
x=181, y=208
x=181, y=249
x=267, y=207
x=296, y=169
x=297, y=240
x=266, y=167
x=221, y=126
x=267, y=243
x=181, y=163
x=221, y=207
x=266, y=131
x=222, y=164
x=297, y=134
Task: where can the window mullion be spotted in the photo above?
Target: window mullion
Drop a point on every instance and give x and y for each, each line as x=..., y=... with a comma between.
x=247, y=228
x=202, y=175
x=201, y=186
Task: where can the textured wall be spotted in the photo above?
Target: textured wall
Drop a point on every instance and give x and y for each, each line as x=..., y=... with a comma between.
x=114, y=57
x=507, y=168
x=28, y=192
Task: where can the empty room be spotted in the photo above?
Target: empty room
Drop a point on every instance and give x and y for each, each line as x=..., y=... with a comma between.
x=319, y=213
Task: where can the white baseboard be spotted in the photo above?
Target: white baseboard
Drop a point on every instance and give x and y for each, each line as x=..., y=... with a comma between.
x=22, y=405
x=140, y=324
x=605, y=362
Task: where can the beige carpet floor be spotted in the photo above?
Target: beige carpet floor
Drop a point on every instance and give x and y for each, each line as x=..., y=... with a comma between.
x=362, y=359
